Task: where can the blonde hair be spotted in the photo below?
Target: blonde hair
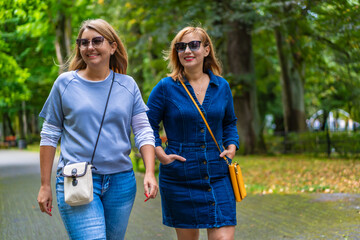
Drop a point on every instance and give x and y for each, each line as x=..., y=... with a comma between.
x=210, y=62
x=118, y=61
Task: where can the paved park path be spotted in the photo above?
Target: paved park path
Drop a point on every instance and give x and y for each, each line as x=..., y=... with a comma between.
x=296, y=216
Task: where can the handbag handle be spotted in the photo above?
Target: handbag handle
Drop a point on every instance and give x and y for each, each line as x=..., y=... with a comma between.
x=102, y=121
x=203, y=117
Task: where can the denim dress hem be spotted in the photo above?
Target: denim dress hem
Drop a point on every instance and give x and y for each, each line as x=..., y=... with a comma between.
x=227, y=223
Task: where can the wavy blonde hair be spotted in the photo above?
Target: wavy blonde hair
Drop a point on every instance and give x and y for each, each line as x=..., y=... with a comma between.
x=118, y=61
x=210, y=62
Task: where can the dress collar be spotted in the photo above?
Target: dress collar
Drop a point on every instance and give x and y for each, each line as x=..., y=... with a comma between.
x=213, y=79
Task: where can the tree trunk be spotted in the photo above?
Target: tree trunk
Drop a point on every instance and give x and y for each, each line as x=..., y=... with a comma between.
x=63, y=39
x=7, y=121
x=241, y=66
x=3, y=128
x=34, y=128
x=23, y=121
x=325, y=118
x=292, y=85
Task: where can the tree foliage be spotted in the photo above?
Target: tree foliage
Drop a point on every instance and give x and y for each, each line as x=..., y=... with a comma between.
x=322, y=38
x=12, y=82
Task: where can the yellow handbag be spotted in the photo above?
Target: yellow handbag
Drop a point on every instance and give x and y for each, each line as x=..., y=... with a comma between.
x=236, y=177
x=237, y=181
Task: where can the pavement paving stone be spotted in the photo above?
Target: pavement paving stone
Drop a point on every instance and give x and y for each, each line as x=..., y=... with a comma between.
x=274, y=216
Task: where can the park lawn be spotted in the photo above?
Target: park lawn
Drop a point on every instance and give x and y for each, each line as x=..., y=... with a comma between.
x=34, y=147
x=299, y=173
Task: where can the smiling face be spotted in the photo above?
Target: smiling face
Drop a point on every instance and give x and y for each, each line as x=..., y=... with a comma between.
x=99, y=56
x=193, y=60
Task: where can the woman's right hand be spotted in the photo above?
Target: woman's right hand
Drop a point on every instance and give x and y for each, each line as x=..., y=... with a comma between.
x=47, y=154
x=45, y=199
x=165, y=158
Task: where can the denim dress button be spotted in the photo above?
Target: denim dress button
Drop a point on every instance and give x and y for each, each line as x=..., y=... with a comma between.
x=206, y=177
x=202, y=130
x=204, y=162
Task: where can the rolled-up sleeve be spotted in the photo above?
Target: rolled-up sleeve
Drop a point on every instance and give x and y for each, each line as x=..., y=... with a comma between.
x=142, y=130
x=50, y=135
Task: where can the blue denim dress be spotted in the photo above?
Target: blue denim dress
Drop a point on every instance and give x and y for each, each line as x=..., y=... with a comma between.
x=196, y=193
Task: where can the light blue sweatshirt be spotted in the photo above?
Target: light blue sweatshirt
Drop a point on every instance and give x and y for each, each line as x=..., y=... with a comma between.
x=76, y=105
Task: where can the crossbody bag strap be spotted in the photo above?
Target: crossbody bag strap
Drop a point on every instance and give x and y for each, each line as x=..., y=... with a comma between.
x=102, y=121
x=203, y=117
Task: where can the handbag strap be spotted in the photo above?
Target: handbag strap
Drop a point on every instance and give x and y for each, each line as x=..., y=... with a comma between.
x=102, y=121
x=203, y=117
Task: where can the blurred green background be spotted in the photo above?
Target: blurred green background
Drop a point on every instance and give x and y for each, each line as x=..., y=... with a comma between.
x=293, y=66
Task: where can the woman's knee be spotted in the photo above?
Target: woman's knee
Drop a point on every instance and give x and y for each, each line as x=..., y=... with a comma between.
x=222, y=233
x=187, y=234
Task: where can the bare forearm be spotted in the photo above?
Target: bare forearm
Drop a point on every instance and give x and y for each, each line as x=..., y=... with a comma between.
x=232, y=148
x=159, y=152
x=148, y=156
x=47, y=154
x=229, y=151
x=150, y=184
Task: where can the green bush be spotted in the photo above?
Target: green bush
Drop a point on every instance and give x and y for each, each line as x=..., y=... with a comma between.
x=343, y=144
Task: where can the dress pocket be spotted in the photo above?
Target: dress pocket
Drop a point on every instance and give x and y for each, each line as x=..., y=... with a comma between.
x=169, y=164
x=174, y=170
x=217, y=166
x=169, y=151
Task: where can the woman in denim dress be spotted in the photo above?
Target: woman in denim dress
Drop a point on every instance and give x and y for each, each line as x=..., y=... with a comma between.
x=194, y=181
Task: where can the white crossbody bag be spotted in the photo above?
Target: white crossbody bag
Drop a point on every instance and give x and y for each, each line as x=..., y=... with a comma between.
x=78, y=182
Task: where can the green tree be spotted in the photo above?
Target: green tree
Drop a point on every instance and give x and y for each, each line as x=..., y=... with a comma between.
x=237, y=21
x=39, y=36
x=333, y=77
x=149, y=27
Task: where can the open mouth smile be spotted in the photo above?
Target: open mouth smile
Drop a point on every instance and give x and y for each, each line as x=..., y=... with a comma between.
x=188, y=59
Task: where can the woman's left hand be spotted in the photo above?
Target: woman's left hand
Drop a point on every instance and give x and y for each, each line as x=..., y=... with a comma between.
x=229, y=151
x=150, y=186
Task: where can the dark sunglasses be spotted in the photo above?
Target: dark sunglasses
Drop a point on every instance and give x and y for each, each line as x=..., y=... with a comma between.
x=95, y=42
x=193, y=45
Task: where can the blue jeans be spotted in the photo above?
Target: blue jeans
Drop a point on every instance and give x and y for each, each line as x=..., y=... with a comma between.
x=106, y=217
